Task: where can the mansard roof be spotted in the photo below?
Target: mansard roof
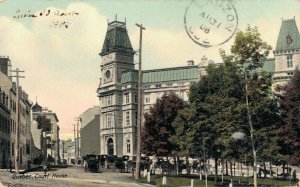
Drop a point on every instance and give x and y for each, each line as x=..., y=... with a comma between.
x=162, y=75
x=129, y=76
x=170, y=74
x=288, y=37
x=269, y=66
x=116, y=39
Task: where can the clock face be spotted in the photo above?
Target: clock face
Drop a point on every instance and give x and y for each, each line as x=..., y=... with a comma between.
x=108, y=74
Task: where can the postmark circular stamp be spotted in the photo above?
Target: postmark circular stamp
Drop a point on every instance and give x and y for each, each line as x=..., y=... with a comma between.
x=210, y=22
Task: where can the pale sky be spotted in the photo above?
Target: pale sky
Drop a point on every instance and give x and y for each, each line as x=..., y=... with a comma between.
x=62, y=65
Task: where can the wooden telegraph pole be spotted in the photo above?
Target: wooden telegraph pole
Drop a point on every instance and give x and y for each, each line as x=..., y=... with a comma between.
x=75, y=152
x=17, y=164
x=77, y=140
x=139, y=118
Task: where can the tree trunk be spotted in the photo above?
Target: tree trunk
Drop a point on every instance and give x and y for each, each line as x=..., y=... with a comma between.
x=271, y=174
x=265, y=169
x=216, y=170
x=175, y=166
x=200, y=170
x=233, y=168
x=187, y=165
x=226, y=168
x=247, y=174
x=230, y=169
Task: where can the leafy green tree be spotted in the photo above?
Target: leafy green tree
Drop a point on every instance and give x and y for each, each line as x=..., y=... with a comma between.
x=182, y=124
x=235, y=97
x=290, y=110
x=158, y=125
x=216, y=99
x=250, y=51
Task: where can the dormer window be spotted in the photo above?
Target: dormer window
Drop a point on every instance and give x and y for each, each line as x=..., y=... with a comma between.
x=289, y=39
x=290, y=61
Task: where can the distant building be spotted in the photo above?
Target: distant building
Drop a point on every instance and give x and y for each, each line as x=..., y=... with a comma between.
x=67, y=151
x=50, y=138
x=89, y=132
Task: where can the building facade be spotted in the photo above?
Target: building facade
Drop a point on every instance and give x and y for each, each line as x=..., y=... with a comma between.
x=287, y=51
x=67, y=151
x=89, y=140
x=9, y=116
x=47, y=142
x=117, y=90
x=5, y=121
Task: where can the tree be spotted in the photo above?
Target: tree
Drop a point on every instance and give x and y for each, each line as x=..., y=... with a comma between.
x=216, y=99
x=250, y=51
x=43, y=123
x=182, y=125
x=158, y=125
x=235, y=97
x=290, y=108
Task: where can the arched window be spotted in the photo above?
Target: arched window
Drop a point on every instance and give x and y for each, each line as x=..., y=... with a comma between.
x=110, y=146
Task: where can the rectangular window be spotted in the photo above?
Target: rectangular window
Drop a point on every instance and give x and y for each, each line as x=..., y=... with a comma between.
x=181, y=94
x=135, y=98
x=127, y=118
x=127, y=98
x=147, y=99
x=290, y=61
x=136, y=116
x=108, y=100
x=128, y=147
x=108, y=120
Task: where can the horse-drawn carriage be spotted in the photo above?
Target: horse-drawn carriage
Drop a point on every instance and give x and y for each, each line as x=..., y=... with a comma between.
x=91, y=163
x=94, y=162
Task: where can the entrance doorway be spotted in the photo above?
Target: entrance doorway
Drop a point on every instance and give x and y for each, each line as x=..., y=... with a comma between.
x=110, y=146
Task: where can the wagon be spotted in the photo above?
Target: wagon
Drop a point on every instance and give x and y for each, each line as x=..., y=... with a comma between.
x=91, y=163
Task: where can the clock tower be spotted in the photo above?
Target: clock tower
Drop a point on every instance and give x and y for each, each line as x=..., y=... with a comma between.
x=117, y=57
x=287, y=51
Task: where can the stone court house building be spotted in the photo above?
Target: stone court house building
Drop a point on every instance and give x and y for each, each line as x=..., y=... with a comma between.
x=117, y=90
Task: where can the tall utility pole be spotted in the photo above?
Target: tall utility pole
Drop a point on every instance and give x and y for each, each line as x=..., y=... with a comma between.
x=63, y=150
x=75, y=142
x=139, y=118
x=17, y=71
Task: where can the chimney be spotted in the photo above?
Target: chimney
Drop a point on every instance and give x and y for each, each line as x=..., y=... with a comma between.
x=5, y=65
x=190, y=62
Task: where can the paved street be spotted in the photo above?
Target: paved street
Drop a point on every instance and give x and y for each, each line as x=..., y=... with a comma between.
x=72, y=176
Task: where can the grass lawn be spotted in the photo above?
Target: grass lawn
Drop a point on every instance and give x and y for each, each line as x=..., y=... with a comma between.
x=186, y=181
